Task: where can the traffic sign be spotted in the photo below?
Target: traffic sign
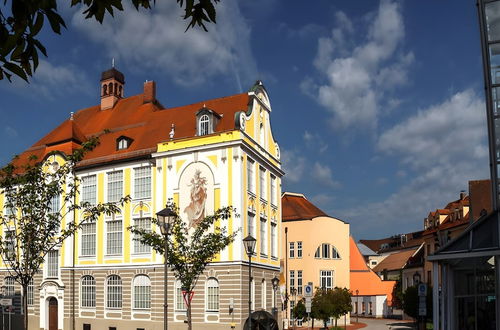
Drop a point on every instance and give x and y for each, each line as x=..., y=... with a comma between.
x=6, y=302
x=308, y=290
x=422, y=290
x=422, y=311
x=308, y=305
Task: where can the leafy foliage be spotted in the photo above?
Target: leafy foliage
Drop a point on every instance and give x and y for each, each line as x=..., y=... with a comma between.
x=411, y=302
x=397, y=294
x=22, y=20
x=189, y=250
x=299, y=311
x=328, y=303
x=31, y=222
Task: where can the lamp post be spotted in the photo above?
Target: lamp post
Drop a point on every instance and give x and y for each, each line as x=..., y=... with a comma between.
x=275, y=281
x=285, y=307
x=249, y=243
x=165, y=218
x=416, y=281
x=357, y=306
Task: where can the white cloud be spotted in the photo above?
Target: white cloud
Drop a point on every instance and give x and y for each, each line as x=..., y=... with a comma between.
x=314, y=141
x=444, y=146
x=323, y=175
x=51, y=81
x=10, y=132
x=323, y=200
x=293, y=165
x=155, y=40
x=357, y=79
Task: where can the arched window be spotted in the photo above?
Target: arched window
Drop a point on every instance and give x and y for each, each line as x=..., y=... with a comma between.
x=335, y=253
x=105, y=90
x=88, y=291
x=262, y=135
x=179, y=299
x=204, y=125
x=110, y=87
x=326, y=251
x=122, y=144
x=114, y=292
x=142, y=292
x=212, y=295
x=120, y=93
x=9, y=283
x=116, y=88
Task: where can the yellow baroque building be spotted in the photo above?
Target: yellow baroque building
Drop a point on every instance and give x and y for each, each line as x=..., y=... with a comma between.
x=103, y=278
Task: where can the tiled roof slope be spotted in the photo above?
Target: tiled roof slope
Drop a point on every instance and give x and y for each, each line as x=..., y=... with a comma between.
x=364, y=279
x=145, y=123
x=297, y=207
x=395, y=261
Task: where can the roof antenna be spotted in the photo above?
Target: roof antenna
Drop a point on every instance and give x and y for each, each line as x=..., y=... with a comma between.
x=71, y=115
x=113, y=62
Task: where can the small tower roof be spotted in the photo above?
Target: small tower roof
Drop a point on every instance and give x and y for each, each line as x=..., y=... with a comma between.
x=113, y=73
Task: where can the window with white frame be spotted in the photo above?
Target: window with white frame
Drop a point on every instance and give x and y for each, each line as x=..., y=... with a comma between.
x=30, y=294
x=299, y=249
x=9, y=207
x=53, y=264
x=114, y=292
x=262, y=181
x=327, y=251
x=274, y=242
x=88, y=244
x=145, y=224
x=179, y=299
x=251, y=224
x=335, y=253
x=114, y=232
x=142, y=292
x=274, y=193
x=291, y=249
x=55, y=204
x=10, y=244
x=142, y=182
x=299, y=282
x=9, y=283
x=263, y=290
x=89, y=189
x=212, y=295
x=250, y=175
x=262, y=135
x=263, y=235
x=123, y=143
x=115, y=186
x=292, y=280
x=326, y=279
x=88, y=292
x=204, y=125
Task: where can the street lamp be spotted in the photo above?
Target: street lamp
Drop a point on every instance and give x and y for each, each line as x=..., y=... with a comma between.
x=249, y=243
x=165, y=218
x=275, y=281
x=416, y=281
x=357, y=306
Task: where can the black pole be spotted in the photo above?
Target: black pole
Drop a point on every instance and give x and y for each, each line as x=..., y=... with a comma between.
x=250, y=292
x=165, y=286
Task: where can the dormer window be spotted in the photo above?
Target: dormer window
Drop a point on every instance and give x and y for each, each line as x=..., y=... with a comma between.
x=207, y=120
x=123, y=143
x=204, y=125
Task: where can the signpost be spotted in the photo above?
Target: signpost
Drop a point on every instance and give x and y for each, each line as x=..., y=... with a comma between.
x=422, y=307
x=308, y=293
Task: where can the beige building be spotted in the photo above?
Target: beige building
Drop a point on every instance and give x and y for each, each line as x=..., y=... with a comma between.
x=315, y=249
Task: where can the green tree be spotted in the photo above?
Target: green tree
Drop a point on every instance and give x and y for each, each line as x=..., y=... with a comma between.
x=299, y=311
x=411, y=302
x=38, y=197
x=341, y=302
x=397, y=294
x=22, y=20
x=190, y=250
x=322, y=306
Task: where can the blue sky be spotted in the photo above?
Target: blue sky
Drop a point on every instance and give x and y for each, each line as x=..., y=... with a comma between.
x=377, y=105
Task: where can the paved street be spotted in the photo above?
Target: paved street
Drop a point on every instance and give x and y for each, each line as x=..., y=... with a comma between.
x=384, y=324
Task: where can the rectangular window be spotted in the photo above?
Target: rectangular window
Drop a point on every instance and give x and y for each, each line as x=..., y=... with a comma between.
x=291, y=250
x=53, y=263
x=251, y=225
x=263, y=236
x=292, y=280
x=9, y=208
x=88, y=239
x=55, y=204
x=142, y=182
x=10, y=244
x=86, y=326
x=30, y=297
x=326, y=279
x=250, y=176
x=371, y=307
x=273, y=191
x=89, y=189
x=299, y=282
x=115, y=186
x=114, y=236
x=141, y=223
x=262, y=185
x=179, y=299
x=299, y=249
x=274, y=242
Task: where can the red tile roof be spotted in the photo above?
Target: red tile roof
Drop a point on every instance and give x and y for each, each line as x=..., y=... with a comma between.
x=146, y=124
x=395, y=261
x=363, y=279
x=297, y=207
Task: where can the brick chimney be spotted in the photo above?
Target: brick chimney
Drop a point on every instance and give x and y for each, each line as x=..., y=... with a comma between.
x=149, y=95
x=112, y=82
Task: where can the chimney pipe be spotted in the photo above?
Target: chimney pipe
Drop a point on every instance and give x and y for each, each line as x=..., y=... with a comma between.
x=149, y=95
x=462, y=194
